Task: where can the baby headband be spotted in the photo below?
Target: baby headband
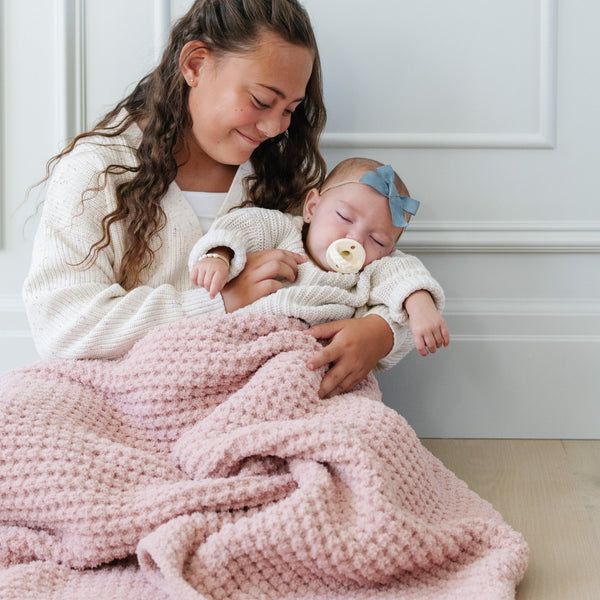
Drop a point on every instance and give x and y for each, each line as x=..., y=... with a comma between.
x=382, y=180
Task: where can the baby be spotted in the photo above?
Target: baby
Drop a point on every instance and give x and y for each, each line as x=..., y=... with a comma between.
x=348, y=233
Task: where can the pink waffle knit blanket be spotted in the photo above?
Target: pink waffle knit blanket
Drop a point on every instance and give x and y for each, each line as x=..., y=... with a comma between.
x=203, y=465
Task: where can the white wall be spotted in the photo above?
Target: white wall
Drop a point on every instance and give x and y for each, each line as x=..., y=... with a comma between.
x=488, y=111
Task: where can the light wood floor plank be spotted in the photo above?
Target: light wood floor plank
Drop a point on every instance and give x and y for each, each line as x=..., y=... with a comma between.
x=584, y=458
x=531, y=483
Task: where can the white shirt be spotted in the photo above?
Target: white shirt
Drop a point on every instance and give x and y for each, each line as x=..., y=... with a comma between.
x=206, y=205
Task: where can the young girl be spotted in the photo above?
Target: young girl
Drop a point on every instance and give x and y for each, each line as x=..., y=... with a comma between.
x=232, y=114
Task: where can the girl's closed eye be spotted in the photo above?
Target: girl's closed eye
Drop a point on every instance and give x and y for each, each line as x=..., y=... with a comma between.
x=259, y=104
x=378, y=242
x=343, y=217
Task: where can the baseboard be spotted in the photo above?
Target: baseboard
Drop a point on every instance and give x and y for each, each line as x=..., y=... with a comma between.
x=514, y=369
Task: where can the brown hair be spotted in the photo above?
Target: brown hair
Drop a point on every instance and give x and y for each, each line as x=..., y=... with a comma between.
x=285, y=167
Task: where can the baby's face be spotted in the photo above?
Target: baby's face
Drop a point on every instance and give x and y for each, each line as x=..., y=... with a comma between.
x=355, y=211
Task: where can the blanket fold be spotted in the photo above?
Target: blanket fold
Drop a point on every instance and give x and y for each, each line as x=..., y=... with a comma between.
x=205, y=459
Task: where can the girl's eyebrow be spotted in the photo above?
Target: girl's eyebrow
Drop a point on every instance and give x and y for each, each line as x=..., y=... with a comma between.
x=279, y=92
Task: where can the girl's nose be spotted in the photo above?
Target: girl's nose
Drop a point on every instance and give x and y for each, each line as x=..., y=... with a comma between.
x=270, y=126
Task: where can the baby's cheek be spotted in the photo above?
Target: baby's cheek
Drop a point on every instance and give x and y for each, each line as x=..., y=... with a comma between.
x=383, y=252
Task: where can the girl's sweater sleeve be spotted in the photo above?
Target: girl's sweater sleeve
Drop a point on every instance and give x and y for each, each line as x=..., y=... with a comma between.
x=82, y=312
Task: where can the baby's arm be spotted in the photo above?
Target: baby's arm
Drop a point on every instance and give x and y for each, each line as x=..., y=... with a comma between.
x=211, y=271
x=237, y=236
x=242, y=231
x=426, y=323
x=394, y=280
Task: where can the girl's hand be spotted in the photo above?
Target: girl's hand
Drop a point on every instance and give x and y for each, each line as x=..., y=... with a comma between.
x=355, y=347
x=261, y=276
x=426, y=324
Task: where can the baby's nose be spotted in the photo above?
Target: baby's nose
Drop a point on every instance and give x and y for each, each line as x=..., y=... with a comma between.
x=355, y=235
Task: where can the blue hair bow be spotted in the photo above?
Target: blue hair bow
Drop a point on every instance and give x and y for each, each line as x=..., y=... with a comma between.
x=383, y=182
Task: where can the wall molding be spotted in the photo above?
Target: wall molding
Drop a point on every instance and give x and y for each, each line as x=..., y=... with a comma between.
x=13, y=318
x=71, y=61
x=502, y=237
x=516, y=338
x=524, y=320
x=70, y=69
x=72, y=105
x=503, y=314
x=543, y=137
x=524, y=307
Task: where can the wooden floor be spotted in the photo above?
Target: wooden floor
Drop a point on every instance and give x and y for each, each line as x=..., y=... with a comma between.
x=549, y=490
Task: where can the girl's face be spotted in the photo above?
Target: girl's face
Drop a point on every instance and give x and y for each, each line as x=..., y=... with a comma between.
x=355, y=211
x=237, y=101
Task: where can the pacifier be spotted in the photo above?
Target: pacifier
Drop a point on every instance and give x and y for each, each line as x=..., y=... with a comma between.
x=346, y=256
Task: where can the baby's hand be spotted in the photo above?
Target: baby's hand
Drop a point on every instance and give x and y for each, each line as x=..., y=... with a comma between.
x=211, y=273
x=426, y=324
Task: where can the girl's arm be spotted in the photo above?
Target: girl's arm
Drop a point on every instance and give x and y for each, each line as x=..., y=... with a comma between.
x=82, y=312
x=77, y=312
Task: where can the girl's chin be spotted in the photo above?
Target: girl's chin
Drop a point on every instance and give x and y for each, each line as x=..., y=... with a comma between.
x=239, y=153
x=232, y=157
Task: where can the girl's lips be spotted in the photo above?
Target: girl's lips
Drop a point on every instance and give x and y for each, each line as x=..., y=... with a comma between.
x=253, y=141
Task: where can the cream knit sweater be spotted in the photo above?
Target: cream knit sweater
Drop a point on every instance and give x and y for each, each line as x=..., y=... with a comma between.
x=83, y=313
x=316, y=295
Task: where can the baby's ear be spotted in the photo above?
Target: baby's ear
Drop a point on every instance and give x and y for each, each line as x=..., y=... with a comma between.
x=312, y=199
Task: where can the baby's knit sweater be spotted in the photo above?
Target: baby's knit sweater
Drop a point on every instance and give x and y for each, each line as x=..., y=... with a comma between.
x=317, y=295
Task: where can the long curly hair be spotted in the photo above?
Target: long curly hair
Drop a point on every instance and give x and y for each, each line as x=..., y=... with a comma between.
x=285, y=167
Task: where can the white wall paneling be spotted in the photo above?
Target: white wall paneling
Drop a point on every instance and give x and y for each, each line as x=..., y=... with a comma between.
x=517, y=368
x=465, y=99
x=163, y=15
x=28, y=128
x=137, y=38
x=447, y=85
x=81, y=63
x=2, y=116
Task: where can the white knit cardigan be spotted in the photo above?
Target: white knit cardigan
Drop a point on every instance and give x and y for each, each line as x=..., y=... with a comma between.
x=317, y=295
x=77, y=312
